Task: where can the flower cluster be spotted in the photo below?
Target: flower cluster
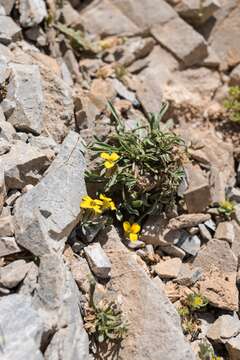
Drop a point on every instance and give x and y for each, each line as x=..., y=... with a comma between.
x=111, y=159
x=98, y=206
x=131, y=230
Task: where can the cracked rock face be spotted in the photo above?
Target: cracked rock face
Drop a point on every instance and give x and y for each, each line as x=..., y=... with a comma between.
x=52, y=207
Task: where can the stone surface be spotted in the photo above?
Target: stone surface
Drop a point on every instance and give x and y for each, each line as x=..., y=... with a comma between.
x=98, y=260
x=205, y=234
x=20, y=324
x=25, y=90
x=188, y=276
x=57, y=300
x=146, y=14
x=104, y=18
x=196, y=12
x=2, y=187
x=190, y=244
x=174, y=33
x=225, y=327
x=32, y=12
x=219, y=265
x=12, y=274
x=146, y=307
x=168, y=269
x=187, y=221
x=225, y=231
x=197, y=196
x=6, y=226
x=46, y=215
x=235, y=76
x=23, y=165
x=224, y=39
x=7, y=5
x=233, y=347
x=8, y=246
x=10, y=31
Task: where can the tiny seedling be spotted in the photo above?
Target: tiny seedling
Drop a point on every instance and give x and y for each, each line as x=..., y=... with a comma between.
x=206, y=352
x=226, y=208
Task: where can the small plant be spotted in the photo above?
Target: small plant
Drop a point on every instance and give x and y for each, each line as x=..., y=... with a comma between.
x=206, y=352
x=190, y=323
x=232, y=103
x=104, y=320
x=226, y=208
x=140, y=172
x=77, y=38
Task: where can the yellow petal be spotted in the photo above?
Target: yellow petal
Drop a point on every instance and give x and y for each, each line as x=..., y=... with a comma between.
x=133, y=237
x=114, y=157
x=97, y=202
x=105, y=156
x=108, y=164
x=126, y=226
x=104, y=198
x=112, y=205
x=97, y=209
x=87, y=198
x=135, y=228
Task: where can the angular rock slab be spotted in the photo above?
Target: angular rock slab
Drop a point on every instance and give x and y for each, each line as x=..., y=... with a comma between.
x=219, y=265
x=9, y=30
x=154, y=326
x=182, y=40
x=58, y=302
x=23, y=165
x=32, y=12
x=46, y=215
x=21, y=328
x=25, y=89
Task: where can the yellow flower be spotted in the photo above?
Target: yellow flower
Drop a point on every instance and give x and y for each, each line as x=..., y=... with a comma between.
x=110, y=159
x=89, y=203
x=107, y=203
x=131, y=230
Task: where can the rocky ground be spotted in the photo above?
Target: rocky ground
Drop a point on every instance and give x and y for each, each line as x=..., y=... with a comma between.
x=54, y=87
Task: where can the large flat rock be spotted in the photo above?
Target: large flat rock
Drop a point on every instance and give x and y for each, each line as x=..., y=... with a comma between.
x=154, y=325
x=46, y=215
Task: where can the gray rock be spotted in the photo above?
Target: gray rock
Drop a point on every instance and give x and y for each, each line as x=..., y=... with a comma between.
x=46, y=144
x=46, y=215
x=168, y=269
x=238, y=174
x=7, y=131
x=235, y=76
x=225, y=231
x=225, y=327
x=210, y=224
x=188, y=276
x=174, y=33
x=7, y=5
x=32, y=12
x=122, y=91
x=20, y=324
x=187, y=221
x=9, y=30
x=81, y=274
x=13, y=195
x=23, y=165
x=197, y=196
x=2, y=187
x=57, y=300
x=219, y=266
x=98, y=260
x=12, y=274
x=224, y=38
x=6, y=226
x=25, y=89
x=233, y=347
x=4, y=70
x=145, y=14
x=4, y=147
x=190, y=244
x=139, y=295
x=104, y=18
x=173, y=250
x=196, y=12
x=205, y=234
x=235, y=195
x=29, y=284
x=8, y=246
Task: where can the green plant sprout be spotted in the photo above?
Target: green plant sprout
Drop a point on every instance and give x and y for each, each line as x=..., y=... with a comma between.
x=232, y=103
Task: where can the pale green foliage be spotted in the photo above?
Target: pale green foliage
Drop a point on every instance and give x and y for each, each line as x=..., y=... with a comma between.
x=232, y=103
x=226, y=208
